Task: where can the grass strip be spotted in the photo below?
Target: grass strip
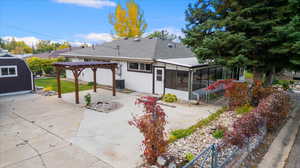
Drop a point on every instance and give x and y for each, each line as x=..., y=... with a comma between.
x=181, y=133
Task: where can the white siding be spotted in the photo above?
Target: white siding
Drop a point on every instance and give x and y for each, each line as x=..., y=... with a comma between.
x=137, y=81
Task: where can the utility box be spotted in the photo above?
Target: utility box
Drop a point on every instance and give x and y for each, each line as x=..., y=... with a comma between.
x=120, y=83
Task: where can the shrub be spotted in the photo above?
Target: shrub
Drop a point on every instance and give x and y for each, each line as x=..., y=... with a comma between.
x=47, y=89
x=218, y=134
x=236, y=92
x=237, y=95
x=244, y=109
x=248, y=75
x=39, y=65
x=152, y=125
x=243, y=128
x=189, y=156
x=285, y=84
x=274, y=109
x=90, y=84
x=170, y=98
x=181, y=133
x=88, y=99
x=259, y=92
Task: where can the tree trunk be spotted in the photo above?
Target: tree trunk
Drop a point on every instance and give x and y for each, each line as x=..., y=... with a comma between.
x=270, y=77
x=257, y=75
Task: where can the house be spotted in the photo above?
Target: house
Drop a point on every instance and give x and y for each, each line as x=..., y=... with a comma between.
x=15, y=75
x=152, y=66
x=54, y=53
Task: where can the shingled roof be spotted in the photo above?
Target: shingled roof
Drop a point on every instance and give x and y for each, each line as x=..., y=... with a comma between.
x=54, y=53
x=135, y=48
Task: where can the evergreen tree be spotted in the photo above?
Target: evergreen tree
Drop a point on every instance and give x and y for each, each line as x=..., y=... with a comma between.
x=164, y=35
x=260, y=34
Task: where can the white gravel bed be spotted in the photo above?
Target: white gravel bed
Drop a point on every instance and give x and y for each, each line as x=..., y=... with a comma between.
x=200, y=139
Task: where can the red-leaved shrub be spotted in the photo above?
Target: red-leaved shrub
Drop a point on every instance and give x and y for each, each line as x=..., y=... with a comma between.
x=271, y=110
x=243, y=128
x=259, y=92
x=152, y=125
x=236, y=92
x=237, y=95
x=274, y=109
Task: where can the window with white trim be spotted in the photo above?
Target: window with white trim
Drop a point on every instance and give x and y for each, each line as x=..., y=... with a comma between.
x=8, y=71
x=139, y=67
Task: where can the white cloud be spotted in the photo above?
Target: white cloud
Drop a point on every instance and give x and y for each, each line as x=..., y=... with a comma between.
x=97, y=37
x=89, y=3
x=28, y=40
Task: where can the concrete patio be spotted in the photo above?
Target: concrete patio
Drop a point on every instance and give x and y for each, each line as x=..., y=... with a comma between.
x=38, y=131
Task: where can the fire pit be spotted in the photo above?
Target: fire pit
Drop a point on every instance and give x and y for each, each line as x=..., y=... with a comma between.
x=104, y=107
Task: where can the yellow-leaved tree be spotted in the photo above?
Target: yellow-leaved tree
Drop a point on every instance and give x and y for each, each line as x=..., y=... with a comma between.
x=128, y=22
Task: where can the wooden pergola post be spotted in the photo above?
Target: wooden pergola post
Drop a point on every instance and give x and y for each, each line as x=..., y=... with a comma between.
x=113, y=69
x=95, y=78
x=58, y=70
x=76, y=75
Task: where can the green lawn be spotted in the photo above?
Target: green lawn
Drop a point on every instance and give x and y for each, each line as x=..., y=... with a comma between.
x=66, y=86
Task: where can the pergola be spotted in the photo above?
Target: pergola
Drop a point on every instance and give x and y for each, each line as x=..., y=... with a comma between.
x=78, y=67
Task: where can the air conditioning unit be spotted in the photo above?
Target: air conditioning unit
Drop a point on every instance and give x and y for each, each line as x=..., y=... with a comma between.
x=120, y=83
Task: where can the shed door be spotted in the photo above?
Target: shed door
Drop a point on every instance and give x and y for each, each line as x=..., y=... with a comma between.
x=159, y=80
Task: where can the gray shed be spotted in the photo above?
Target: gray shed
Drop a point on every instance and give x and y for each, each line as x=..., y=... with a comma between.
x=15, y=75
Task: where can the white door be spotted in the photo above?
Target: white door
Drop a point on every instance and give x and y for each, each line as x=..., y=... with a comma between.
x=159, y=79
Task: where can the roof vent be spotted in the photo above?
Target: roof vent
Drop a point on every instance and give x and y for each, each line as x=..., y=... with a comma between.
x=137, y=39
x=170, y=45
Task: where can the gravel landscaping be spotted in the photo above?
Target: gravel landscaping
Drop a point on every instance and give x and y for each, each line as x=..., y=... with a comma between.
x=201, y=138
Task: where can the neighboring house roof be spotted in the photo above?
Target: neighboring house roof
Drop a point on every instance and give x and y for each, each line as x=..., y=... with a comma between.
x=135, y=48
x=55, y=53
x=5, y=55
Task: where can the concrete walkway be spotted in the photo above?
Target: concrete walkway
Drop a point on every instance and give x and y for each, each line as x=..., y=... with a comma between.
x=47, y=132
x=35, y=132
x=109, y=136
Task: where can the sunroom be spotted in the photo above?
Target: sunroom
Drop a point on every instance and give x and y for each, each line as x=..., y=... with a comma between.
x=185, y=77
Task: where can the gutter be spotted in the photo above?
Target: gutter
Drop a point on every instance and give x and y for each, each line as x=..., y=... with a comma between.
x=111, y=58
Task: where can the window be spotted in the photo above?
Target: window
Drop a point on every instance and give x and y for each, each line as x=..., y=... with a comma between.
x=159, y=75
x=8, y=71
x=177, y=80
x=139, y=67
x=133, y=66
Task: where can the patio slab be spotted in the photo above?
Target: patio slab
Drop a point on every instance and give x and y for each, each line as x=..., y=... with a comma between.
x=109, y=136
x=38, y=131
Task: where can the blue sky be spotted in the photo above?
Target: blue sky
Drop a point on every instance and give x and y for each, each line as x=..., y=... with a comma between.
x=81, y=20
